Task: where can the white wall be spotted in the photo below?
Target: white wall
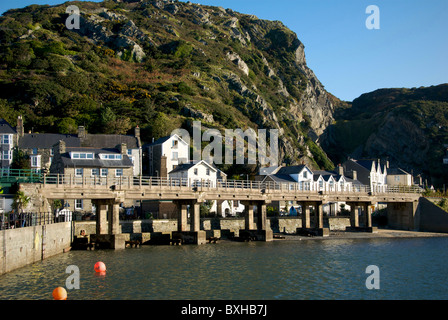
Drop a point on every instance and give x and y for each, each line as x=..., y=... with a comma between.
x=168, y=150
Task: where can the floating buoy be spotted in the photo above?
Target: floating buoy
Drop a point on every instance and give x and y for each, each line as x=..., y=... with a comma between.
x=100, y=267
x=59, y=294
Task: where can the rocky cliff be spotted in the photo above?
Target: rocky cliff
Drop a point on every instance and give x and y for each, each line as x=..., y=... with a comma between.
x=409, y=127
x=160, y=65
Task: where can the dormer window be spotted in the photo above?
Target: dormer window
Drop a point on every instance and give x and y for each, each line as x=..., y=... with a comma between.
x=81, y=155
x=111, y=156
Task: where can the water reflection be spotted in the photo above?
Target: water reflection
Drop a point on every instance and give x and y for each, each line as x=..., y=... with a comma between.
x=330, y=269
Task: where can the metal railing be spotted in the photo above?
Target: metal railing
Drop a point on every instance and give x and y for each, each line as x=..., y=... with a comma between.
x=8, y=176
x=28, y=219
x=130, y=182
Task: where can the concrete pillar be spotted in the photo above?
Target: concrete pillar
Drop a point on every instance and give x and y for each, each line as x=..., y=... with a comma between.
x=114, y=218
x=306, y=221
x=195, y=211
x=354, y=218
x=368, y=217
x=182, y=216
x=219, y=207
x=261, y=215
x=319, y=215
x=249, y=216
x=101, y=218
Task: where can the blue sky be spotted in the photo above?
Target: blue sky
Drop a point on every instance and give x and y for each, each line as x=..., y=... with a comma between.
x=409, y=50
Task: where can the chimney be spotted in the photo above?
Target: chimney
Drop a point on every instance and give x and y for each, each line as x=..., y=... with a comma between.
x=60, y=147
x=82, y=133
x=163, y=169
x=20, y=129
x=355, y=175
x=137, y=132
x=340, y=170
x=123, y=148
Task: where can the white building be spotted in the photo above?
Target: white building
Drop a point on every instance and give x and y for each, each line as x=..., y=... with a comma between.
x=8, y=135
x=293, y=177
x=229, y=208
x=399, y=177
x=175, y=150
x=196, y=173
x=369, y=172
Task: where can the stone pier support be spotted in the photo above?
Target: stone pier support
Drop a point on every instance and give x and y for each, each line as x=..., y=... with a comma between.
x=259, y=231
x=195, y=235
x=366, y=217
x=318, y=229
x=354, y=216
x=108, y=234
x=182, y=218
x=248, y=216
x=306, y=220
x=114, y=218
x=101, y=218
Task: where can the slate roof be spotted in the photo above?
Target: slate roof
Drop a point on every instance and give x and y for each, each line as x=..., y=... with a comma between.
x=5, y=127
x=291, y=169
x=396, y=171
x=285, y=178
x=47, y=140
x=190, y=164
x=67, y=162
x=109, y=141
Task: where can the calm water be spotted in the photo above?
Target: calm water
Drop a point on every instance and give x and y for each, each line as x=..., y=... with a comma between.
x=283, y=270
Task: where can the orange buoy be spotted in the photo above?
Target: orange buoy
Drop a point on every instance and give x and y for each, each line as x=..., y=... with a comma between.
x=59, y=294
x=100, y=267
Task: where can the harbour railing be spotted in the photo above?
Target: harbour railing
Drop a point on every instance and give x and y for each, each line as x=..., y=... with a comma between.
x=14, y=220
x=129, y=182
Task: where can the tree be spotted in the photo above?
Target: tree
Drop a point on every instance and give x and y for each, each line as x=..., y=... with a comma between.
x=21, y=200
x=67, y=126
x=20, y=160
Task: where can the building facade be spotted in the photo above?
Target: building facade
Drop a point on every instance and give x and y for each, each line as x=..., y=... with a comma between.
x=165, y=154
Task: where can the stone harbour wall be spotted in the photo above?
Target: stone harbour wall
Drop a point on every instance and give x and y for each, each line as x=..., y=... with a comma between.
x=23, y=246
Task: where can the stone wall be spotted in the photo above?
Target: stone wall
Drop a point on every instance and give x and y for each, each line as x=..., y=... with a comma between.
x=23, y=246
x=338, y=223
x=432, y=217
x=286, y=225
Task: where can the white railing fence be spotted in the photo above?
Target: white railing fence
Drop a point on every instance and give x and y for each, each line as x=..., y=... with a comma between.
x=123, y=182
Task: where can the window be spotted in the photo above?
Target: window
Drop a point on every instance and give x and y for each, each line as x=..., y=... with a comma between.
x=111, y=156
x=34, y=150
x=129, y=152
x=175, y=156
x=321, y=184
x=6, y=155
x=104, y=172
x=35, y=161
x=79, y=172
x=118, y=172
x=305, y=174
x=175, y=144
x=6, y=139
x=207, y=172
x=196, y=171
x=397, y=178
x=95, y=172
x=78, y=204
x=81, y=155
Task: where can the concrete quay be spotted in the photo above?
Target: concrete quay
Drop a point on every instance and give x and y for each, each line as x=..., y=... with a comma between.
x=379, y=234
